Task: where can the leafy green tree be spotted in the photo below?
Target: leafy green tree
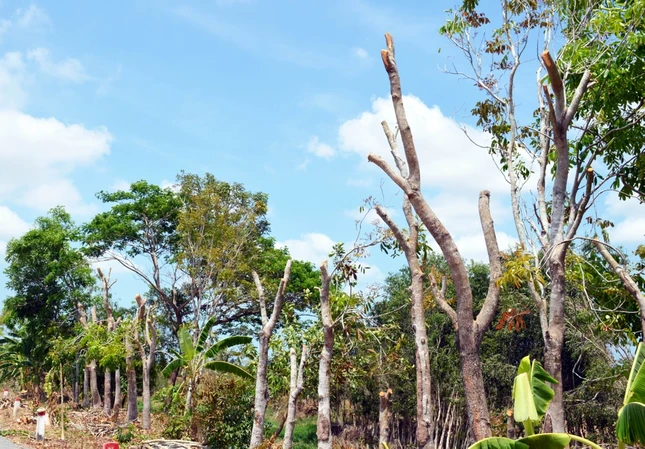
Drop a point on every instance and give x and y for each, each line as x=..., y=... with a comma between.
x=48, y=276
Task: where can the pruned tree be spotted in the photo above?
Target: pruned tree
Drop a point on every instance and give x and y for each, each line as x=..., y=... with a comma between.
x=384, y=418
x=323, y=431
x=470, y=330
x=264, y=337
x=296, y=384
x=144, y=324
x=574, y=128
x=131, y=376
x=111, y=327
x=409, y=245
x=91, y=378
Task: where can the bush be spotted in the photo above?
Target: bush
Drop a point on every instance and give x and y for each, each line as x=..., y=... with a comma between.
x=224, y=411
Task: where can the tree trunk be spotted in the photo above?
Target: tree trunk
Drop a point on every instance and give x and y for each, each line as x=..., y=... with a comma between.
x=117, y=394
x=384, y=418
x=107, y=392
x=268, y=324
x=295, y=388
x=94, y=386
x=324, y=369
x=189, y=398
x=86, y=387
x=145, y=420
x=474, y=388
x=510, y=425
x=75, y=390
x=131, y=376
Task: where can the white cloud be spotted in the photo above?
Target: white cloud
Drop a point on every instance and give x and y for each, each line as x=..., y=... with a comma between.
x=629, y=219
x=369, y=216
x=313, y=247
x=32, y=18
x=320, y=149
x=39, y=154
x=448, y=159
x=11, y=225
x=473, y=246
x=69, y=69
x=12, y=80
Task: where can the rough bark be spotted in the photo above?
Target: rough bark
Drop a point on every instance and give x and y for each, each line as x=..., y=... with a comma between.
x=384, y=418
x=75, y=391
x=510, y=425
x=86, y=387
x=117, y=394
x=131, y=376
x=107, y=392
x=94, y=386
x=268, y=324
x=296, y=385
x=409, y=246
x=145, y=323
x=111, y=327
x=469, y=331
x=323, y=431
x=625, y=278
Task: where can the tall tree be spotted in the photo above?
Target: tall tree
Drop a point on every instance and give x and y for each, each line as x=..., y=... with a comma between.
x=599, y=46
x=470, y=330
x=323, y=430
x=47, y=276
x=145, y=339
x=264, y=337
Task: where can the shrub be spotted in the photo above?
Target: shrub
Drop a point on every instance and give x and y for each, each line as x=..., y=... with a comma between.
x=224, y=411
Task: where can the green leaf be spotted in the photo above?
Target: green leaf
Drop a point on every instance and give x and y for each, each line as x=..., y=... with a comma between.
x=630, y=428
x=173, y=365
x=225, y=344
x=226, y=367
x=547, y=441
x=542, y=393
x=205, y=332
x=186, y=344
x=498, y=443
x=635, y=391
x=524, y=405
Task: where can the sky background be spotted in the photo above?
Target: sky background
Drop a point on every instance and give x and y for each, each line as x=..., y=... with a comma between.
x=283, y=96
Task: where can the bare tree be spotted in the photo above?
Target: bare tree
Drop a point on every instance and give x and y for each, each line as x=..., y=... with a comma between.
x=409, y=245
x=131, y=376
x=385, y=418
x=470, y=330
x=145, y=324
x=323, y=431
x=111, y=327
x=268, y=324
x=296, y=385
x=90, y=369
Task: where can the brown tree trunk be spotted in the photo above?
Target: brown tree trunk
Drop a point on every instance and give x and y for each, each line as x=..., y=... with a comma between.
x=131, y=376
x=510, y=425
x=94, y=386
x=268, y=324
x=86, y=387
x=107, y=392
x=324, y=369
x=145, y=323
x=469, y=330
x=295, y=388
x=117, y=394
x=76, y=376
x=384, y=418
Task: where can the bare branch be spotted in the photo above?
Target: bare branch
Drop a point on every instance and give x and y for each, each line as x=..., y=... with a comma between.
x=439, y=296
x=261, y=297
x=394, y=176
x=556, y=84
x=577, y=96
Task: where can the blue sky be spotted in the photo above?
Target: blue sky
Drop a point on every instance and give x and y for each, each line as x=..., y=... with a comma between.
x=283, y=96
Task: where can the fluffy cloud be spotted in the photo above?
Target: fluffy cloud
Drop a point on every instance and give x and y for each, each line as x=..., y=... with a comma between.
x=448, y=159
x=69, y=69
x=11, y=225
x=32, y=18
x=313, y=247
x=629, y=220
x=320, y=149
x=38, y=156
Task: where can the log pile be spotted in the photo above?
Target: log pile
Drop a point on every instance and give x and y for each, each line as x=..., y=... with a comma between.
x=93, y=421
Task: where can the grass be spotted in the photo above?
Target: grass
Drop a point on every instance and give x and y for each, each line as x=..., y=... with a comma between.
x=304, y=433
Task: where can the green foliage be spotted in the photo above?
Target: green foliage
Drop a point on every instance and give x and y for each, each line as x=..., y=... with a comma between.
x=630, y=427
x=224, y=412
x=125, y=434
x=531, y=394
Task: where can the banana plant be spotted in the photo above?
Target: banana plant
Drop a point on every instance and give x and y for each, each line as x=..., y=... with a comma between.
x=630, y=428
x=531, y=398
x=193, y=358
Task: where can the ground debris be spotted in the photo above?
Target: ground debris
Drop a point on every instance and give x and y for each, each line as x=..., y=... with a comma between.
x=93, y=421
x=168, y=444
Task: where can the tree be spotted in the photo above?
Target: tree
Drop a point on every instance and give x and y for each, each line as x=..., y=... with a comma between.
x=264, y=337
x=194, y=358
x=601, y=48
x=411, y=248
x=296, y=385
x=48, y=276
x=470, y=330
x=324, y=367
x=144, y=323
